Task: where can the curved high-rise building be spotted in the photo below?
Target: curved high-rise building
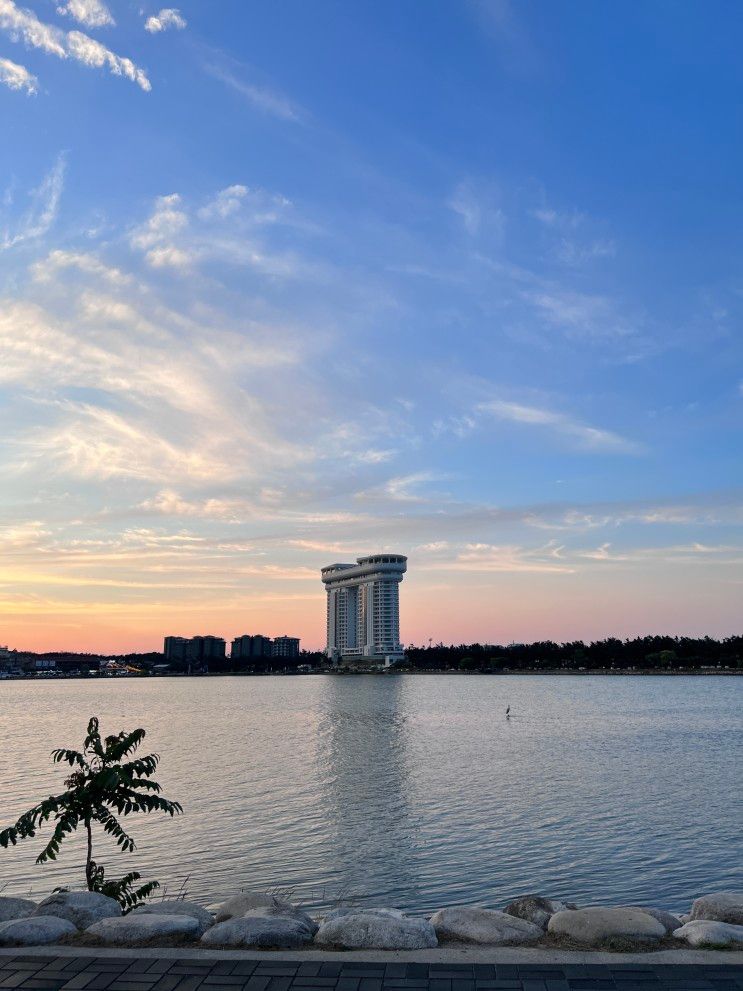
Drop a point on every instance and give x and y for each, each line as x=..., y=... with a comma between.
x=364, y=609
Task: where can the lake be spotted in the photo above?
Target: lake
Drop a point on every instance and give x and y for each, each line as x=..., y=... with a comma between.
x=408, y=791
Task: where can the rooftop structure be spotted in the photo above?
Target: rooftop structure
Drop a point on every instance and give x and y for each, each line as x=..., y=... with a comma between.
x=363, y=609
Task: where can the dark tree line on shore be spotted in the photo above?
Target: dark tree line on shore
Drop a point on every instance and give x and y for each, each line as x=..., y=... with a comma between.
x=646, y=653
x=641, y=653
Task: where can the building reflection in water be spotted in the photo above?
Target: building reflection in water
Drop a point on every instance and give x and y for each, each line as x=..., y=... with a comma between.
x=364, y=780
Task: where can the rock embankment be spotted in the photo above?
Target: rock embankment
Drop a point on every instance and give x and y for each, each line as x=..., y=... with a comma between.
x=258, y=920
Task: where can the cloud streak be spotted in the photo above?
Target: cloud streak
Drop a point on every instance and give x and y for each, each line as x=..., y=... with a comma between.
x=17, y=77
x=42, y=213
x=169, y=18
x=261, y=98
x=586, y=437
x=23, y=25
x=91, y=13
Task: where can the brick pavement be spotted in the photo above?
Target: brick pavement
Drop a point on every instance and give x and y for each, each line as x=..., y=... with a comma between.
x=90, y=973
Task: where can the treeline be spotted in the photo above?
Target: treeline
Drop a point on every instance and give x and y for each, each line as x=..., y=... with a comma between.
x=641, y=653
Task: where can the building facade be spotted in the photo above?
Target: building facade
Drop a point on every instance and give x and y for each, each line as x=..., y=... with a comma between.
x=363, y=609
x=193, y=651
x=246, y=647
x=286, y=646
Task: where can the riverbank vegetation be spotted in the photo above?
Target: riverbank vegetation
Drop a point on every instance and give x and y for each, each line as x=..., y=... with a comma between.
x=101, y=786
x=663, y=654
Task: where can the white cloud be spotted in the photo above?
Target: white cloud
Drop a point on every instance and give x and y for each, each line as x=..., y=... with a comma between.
x=24, y=25
x=91, y=13
x=169, y=17
x=587, y=437
x=226, y=201
x=17, y=77
x=165, y=221
x=170, y=257
x=93, y=53
x=266, y=100
x=44, y=271
x=43, y=210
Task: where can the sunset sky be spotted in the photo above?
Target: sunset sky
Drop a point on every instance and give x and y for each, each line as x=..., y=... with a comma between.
x=284, y=283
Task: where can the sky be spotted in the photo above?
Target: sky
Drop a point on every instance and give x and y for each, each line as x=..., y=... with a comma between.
x=287, y=283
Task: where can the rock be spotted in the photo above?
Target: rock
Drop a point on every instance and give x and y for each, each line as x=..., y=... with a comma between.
x=483, y=925
x=259, y=931
x=286, y=911
x=133, y=930
x=671, y=922
x=595, y=925
x=15, y=908
x=35, y=930
x=238, y=905
x=724, y=906
x=82, y=908
x=683, y=919
x=341, y=913
x=205, y=919
x=706, y=933
x=536, y=909
x=376, y=929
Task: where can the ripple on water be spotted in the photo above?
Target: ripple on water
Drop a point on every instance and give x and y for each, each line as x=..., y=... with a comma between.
x=411, y=790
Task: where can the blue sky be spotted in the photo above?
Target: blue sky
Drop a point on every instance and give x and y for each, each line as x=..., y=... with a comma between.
x=285, y=283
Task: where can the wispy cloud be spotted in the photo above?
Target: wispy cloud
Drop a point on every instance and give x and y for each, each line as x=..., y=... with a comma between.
x=42, y=213
x=478, y=210
x=17, y=77
x=23, y=25
x=572, y=242
x=91, y=13
x=585, y=436
x=168, y=18
x=263, y=98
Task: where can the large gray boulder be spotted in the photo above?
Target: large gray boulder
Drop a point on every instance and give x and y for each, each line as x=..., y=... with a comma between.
x=724, y=906
x=707, y=933
x=259, y=932
x=483, y=925
x=81, y=908
x=536, y=909
x=286, y=911
x=238, y=905
x=341, y=913
x=15, y=908
x=35, y=930
x=593, y=926
x=176, y=907
x=134, y=930
x=671, y=922
x=375, y=929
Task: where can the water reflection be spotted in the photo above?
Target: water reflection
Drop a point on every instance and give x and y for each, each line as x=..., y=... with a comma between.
x=364, y=779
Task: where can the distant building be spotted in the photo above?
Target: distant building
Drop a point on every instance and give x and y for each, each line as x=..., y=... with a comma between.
x=247, y=647
x=286, y=646
x=194, y=651
x=175, y=650
x=363, y=610
x=202, y=650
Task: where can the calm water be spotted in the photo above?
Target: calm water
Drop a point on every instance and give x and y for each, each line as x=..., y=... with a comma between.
x=408, y=791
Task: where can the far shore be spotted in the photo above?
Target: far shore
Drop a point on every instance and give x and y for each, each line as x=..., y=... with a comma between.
x=400, y=672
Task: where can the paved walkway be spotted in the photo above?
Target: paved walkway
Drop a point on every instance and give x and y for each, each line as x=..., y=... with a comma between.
x=111, y=973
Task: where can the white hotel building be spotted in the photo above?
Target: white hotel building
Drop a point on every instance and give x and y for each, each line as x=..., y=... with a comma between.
x=364, y=609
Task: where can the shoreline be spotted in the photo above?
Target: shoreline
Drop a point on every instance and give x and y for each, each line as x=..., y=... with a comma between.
x=419, y=672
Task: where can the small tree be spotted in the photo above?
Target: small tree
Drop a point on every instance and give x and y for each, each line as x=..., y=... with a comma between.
x=101, y=783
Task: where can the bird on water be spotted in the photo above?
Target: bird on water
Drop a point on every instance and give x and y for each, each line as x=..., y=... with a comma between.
x=508, y=712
